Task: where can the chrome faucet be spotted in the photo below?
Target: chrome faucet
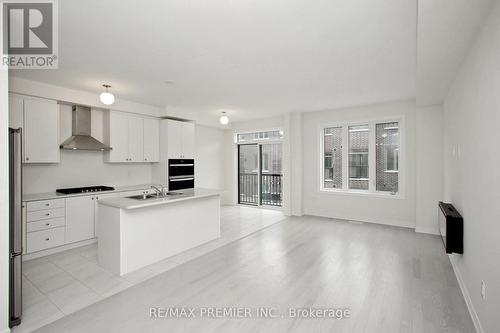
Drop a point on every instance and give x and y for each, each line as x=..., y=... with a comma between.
x=160, y=190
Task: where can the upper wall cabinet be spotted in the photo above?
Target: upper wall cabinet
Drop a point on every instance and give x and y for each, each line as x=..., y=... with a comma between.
x=151, y=140
x=135, y=139
x=39, y=119
x=132, y=138
x=16, y=107
x=177, y=139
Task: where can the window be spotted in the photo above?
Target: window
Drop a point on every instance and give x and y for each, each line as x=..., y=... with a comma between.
x=259, y=136
x=369, y=164
x=358, y=157
x=387, y=137
x=332, y=141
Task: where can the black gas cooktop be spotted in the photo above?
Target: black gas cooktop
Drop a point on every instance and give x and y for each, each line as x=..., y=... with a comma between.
x=86, y=189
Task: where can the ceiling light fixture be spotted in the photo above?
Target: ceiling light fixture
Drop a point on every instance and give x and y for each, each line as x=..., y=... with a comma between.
x=106, y=97
x=224, y=120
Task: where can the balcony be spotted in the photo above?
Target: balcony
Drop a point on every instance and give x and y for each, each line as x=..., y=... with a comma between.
x=271, y=189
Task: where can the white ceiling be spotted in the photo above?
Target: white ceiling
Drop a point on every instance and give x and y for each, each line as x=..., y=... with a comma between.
x=254, y=58
x=446, y=30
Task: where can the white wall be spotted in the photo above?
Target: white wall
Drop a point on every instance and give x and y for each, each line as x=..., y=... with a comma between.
x=209, y=167
x=385, y=210
x=230, y=170
x=429, y=168
x=296, y=164
x=83, y=168
x=4, y=194
x=472, y=162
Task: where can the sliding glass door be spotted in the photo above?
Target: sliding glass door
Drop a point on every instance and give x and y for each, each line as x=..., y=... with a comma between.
x=271, y=174
x=248, y=174
x=260, y=174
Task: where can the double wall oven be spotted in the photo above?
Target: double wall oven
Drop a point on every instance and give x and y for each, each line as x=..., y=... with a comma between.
x=180, y=174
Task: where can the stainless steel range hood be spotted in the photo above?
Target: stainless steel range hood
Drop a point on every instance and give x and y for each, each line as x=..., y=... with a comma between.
x=81, y=138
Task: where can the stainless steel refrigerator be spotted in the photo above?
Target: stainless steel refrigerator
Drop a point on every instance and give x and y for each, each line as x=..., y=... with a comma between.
x=15, y=226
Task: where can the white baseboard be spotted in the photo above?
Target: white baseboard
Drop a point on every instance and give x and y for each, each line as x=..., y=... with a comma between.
x=7, y=330
x=426, y=231
x=47, y=252
x=394, y=223
x=465, y=293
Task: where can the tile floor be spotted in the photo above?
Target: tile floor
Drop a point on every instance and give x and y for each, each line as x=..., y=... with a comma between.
x=60, y=284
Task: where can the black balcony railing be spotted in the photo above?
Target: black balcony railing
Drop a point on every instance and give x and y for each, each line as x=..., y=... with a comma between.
x=249, y=188
x=271, y=189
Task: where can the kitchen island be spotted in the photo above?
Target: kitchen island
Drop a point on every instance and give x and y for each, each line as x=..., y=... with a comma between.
x=136, y=232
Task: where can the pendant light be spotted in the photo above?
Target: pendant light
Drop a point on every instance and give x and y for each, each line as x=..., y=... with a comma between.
x=224, y=120
x=106, y=97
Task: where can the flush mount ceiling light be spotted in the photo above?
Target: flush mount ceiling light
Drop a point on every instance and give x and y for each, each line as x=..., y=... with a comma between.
x=106, y=97
x=224, y=120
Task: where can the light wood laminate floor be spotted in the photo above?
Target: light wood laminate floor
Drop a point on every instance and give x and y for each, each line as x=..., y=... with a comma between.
x=392, y=280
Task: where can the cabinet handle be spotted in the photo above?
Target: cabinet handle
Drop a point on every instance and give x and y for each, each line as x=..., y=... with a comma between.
x=47, y=214
x=47, y=224
x=47, y=204
x=47, y=239
x=27, y=158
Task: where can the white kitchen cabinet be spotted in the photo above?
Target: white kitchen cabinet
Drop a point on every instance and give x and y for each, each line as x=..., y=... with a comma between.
x=41, y=131
x=79, y=218
x=16, y=107
x=188, y=140
x=24, y=223
x=135, y=139
x=178, y=139
x=118, y=137
x=43, y=224
x=96, y=208
x=151, y=140
x=44, y=239
x=132, y=138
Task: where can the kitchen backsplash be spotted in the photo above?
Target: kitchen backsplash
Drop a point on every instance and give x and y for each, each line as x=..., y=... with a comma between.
x=81, y=168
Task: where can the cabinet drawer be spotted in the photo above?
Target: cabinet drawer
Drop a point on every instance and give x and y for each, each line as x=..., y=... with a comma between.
x=45, y=224
x=41, y=240
x=45, y=214
x=45, y=204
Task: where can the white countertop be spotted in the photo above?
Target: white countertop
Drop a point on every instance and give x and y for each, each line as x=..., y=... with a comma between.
x=54, y=195
x=127, y=203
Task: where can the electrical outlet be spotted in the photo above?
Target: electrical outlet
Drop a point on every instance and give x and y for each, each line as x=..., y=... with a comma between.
x=483, y=290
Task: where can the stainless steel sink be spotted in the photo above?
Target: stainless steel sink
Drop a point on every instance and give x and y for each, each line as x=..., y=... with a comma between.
x=143, y=197
x=154, y=196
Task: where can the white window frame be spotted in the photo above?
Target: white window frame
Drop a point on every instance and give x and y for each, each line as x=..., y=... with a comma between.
x=235, y=138
x=371, y=158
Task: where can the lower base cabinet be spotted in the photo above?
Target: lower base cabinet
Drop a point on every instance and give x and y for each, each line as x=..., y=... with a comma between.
x=79, y=218
x=45, y=239
x=56, y=222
